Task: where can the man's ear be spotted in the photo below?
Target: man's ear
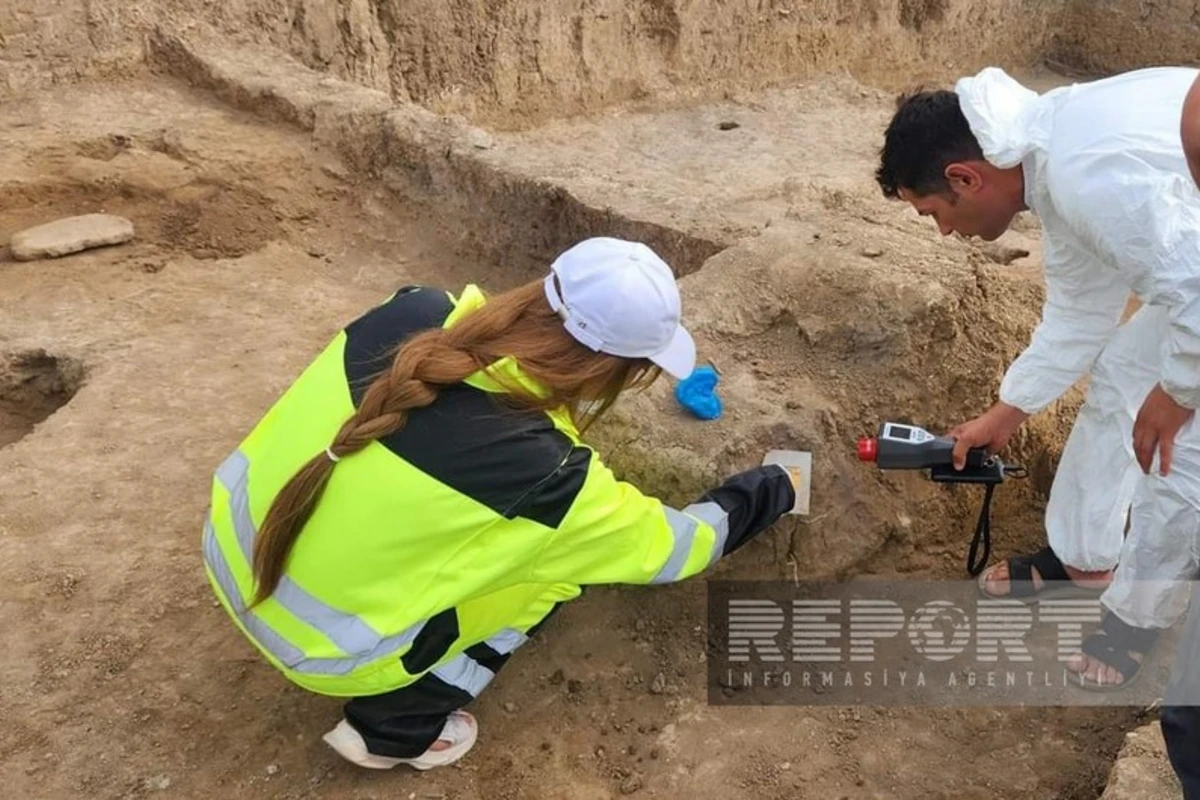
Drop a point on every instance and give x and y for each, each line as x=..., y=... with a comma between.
x=963, y=178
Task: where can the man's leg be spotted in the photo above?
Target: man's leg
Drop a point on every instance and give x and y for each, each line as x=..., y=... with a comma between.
x=1149, y=591
x=1181, y=706
x=1181, y=730
x=1097, y=475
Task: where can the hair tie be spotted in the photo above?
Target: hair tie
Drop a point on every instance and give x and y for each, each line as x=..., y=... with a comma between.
x=332, y=457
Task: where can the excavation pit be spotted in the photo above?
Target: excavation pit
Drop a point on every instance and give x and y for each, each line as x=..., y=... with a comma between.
x=289, y=163
x=33, y=385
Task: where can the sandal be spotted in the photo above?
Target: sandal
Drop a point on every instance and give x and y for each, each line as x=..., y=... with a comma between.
x=1111, y=646
x=1055, y=580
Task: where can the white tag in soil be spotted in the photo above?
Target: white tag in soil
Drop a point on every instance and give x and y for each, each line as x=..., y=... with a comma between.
x=799, y=466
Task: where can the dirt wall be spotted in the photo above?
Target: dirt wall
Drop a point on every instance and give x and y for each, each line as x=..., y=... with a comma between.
x=1105, y=36
x=507, y=62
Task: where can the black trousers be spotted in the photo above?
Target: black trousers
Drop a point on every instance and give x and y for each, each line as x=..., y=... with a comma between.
x=1180, y=716
x=405, y=722
x=1181, y=729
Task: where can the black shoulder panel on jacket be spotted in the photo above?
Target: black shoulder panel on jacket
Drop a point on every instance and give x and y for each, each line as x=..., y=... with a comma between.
x=515, y=463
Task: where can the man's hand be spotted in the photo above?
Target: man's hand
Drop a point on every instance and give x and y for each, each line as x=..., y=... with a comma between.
x=992, y=430
x=1159, y=419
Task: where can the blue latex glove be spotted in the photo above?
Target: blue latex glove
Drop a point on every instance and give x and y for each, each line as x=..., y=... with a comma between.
x=697, y=393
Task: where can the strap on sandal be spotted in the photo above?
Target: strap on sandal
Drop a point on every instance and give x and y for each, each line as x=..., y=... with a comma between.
x=1117, y=642
x=1020, y=571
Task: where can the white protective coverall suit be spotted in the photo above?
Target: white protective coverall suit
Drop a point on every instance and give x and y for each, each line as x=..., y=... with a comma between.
x=1106, y=175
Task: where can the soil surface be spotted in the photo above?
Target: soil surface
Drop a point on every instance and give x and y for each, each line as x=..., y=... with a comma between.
x=253, y=245
x=286, y=164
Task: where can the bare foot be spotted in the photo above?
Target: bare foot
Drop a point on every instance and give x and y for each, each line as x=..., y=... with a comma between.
x=996, y=583
x=996, y=579
x=1097, y=671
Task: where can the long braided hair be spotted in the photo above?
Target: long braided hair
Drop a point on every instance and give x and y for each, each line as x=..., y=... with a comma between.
x=518, y=323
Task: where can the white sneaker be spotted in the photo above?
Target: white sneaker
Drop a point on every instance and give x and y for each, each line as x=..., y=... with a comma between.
x=460, y=730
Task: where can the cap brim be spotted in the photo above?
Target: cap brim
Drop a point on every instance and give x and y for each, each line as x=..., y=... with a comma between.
x=678, y=359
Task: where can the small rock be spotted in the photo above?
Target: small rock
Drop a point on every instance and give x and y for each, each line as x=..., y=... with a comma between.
x=557, y=677
x=872, y=252
x=510, y=706
x=316, y=252
x=659, y=684
x=574, y=686
x=546, y=746
x=631, y=784
x=600, y=751
x=1001, y=254
x=480, y=139
x=70, y=235
x=335, y=170
x=728, y=126
x=160, y=782
x=273, y=769
x=654, y=753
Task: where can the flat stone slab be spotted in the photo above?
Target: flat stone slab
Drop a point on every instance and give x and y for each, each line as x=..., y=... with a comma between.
x=70, y=235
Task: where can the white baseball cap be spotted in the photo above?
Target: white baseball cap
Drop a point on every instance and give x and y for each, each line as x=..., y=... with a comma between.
x=620, y=298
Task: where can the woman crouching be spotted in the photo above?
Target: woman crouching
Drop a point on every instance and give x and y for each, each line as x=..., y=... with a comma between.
x=419, y=501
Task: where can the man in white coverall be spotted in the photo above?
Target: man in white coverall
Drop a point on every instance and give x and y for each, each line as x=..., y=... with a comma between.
x=1181, y=705
x=1102, y=166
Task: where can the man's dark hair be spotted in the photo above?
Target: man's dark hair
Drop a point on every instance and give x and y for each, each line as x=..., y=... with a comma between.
x=927, y=133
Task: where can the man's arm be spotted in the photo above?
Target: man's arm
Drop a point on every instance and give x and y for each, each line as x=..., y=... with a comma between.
x=1084, y=301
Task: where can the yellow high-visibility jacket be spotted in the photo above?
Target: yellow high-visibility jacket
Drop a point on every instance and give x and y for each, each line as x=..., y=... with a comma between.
x=442, y=545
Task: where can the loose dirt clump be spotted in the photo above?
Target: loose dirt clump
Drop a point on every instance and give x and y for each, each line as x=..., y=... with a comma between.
x=213, y=221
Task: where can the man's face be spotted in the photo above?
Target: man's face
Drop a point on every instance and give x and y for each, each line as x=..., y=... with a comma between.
x=971, y=206
x=966, y=216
